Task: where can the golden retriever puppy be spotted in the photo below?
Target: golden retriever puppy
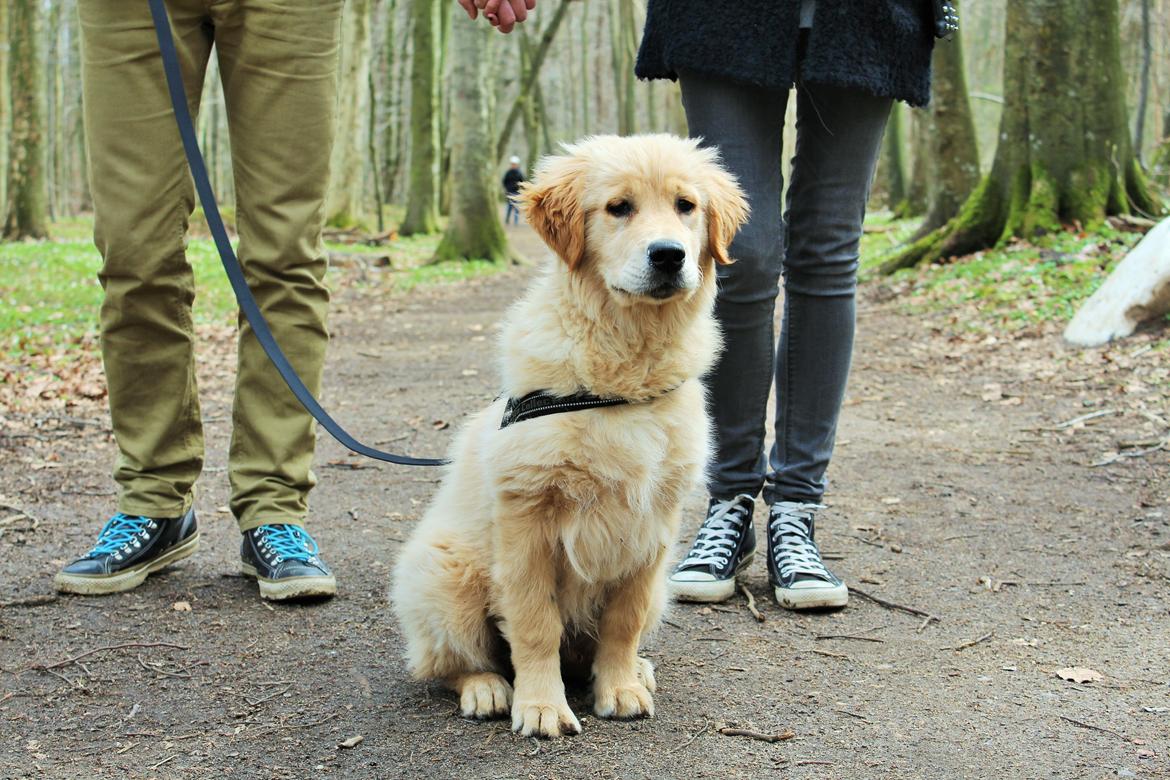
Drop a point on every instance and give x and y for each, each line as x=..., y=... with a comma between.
x=548, y=539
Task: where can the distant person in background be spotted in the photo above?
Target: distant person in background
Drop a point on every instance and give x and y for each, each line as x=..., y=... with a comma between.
x=513, y=178
x=849, y=62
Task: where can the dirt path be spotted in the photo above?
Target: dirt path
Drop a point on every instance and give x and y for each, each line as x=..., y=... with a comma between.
x=947, y=497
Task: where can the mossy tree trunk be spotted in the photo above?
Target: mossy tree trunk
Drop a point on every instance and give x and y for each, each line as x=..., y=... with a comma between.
x=422, y=199
x=474, y=231
x=5, y=115
x=921, y=166
x=343, y=200
x=891, y=166
x=27, y=214
x=1160, y=162
x=1064, y=155
x=951, y=151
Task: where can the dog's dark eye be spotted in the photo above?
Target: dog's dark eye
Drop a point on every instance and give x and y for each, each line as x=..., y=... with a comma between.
x=622, y=208
x=684, y=206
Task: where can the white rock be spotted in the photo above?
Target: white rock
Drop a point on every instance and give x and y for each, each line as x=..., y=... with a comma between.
x=1136, y=291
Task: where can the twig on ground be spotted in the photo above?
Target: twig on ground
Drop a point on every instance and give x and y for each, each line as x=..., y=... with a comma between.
x=166, y=760
x=87, y=653
x=832, y=655
x=1084, y=725
x=814, y=763
x=279, y=692
x=925, y=623
x=751, y=603
x=1163, y=444
x=974, y=642
x=697, y=734
x=853, y=715
x=22, y=512
x=1070, y=423
x=31, y=601
x=893, y=605
x=672, y=624
x=733, y=732
x=863, y=540
x=850, y=636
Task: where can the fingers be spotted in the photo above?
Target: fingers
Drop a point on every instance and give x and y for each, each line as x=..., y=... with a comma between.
x=520, y=8
x=505, y=18
x=504, y=15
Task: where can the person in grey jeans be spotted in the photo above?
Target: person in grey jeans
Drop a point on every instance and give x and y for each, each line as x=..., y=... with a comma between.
x=848, y=62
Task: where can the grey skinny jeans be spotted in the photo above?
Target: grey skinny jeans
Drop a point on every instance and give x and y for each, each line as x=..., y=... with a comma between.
x=838, y=137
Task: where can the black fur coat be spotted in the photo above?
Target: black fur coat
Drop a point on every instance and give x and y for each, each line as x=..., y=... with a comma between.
x=880, y=46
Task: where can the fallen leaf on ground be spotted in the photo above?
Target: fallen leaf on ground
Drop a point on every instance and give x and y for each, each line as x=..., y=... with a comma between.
x=1079, y=674
x=351, y=742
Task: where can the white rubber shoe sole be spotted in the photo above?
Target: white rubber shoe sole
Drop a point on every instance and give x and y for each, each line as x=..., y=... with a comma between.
x=815, y=596
x=706, y=591
x=291, y=587
x=127, y=579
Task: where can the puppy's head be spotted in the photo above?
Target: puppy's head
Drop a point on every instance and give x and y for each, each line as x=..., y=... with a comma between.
x=648, y=215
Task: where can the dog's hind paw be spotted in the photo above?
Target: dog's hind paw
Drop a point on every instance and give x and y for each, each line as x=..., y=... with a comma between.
x=541, y=719
x=623, y=701
x=483, y=695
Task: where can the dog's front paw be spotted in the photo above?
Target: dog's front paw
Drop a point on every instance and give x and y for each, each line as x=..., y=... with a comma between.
x=484, y=695
x=629, y=700
x=646, y=674
x=551, y=718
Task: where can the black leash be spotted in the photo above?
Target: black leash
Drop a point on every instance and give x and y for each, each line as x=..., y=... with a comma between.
x=231, y=263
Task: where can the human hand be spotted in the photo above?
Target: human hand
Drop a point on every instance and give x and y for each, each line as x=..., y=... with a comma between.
x=503, y=14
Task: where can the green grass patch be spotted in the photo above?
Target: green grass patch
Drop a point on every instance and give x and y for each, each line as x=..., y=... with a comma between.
x=1020, y=284
x=50, y=294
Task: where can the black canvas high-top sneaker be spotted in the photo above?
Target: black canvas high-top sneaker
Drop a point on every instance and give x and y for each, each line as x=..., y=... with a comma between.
x=128, y=550
x=798, y=575
x=724, y=547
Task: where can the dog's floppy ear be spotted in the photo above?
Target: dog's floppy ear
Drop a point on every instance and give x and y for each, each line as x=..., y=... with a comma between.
x=552, y=205
x=727, y=211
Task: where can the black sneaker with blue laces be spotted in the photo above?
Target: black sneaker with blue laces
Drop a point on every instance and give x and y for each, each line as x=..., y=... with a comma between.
x=800, y=579
x=128, y=550
x=724, y=547
x=283, y=559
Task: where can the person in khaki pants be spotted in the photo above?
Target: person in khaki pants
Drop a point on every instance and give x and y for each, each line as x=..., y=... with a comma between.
x=278, y=62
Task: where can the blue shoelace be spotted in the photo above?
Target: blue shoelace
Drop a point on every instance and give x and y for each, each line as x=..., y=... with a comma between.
x=290, y=542
x=117, y=532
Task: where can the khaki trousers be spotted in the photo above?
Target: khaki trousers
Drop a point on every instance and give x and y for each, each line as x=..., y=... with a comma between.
x=278, y=62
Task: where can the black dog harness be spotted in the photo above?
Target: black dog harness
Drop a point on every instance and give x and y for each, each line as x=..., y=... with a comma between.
x=541, y=402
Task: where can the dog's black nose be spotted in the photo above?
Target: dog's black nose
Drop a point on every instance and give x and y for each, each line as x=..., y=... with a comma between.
x=666, y=256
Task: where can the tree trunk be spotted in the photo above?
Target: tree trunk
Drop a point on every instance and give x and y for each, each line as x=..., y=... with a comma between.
x=621, y=17
x=474, y=231
x=343, y=198
x=537, y=61
x=27, y=216
x=892, y=167
x=914, y=205
x=1144, y=82
x=5, y=114
x=1064, y=155
x=1160, y=162
x=422, y=202
x=952, y=155
x=388, y=102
